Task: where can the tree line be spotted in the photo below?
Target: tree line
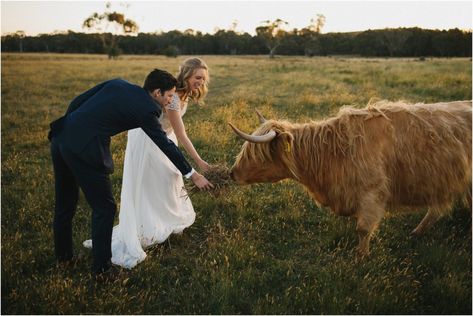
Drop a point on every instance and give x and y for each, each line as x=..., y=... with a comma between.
x=399, y=42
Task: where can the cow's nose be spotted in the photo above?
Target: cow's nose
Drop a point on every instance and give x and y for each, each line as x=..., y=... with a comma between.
x=231, y=176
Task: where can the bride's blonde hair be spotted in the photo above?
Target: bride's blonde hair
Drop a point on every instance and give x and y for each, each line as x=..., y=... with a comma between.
x=186, y=70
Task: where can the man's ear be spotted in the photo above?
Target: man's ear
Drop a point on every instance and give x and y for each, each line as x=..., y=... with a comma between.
x=156, y=92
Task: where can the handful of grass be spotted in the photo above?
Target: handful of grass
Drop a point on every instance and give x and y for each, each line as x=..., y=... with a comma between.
x=219, y=176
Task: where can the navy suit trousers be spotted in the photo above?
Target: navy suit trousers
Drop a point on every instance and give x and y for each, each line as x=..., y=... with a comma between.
x=72, y=172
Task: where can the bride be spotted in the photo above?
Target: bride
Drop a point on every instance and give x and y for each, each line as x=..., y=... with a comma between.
x=154, y=202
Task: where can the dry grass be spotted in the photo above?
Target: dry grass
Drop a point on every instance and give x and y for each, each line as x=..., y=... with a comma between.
x=260, y=249
x=219, y=176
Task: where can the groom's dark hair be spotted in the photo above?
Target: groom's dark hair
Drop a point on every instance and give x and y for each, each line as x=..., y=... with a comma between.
x=159, y=79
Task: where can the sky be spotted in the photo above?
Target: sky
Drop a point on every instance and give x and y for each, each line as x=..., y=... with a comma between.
x=36, y=17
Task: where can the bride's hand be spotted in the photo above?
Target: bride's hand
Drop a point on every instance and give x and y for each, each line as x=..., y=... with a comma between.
x=203, y=165
x=201, y=182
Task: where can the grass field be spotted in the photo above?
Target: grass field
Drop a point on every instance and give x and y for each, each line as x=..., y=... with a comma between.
x=261, y=249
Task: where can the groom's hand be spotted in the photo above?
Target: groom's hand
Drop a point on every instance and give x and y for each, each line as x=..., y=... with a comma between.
x=201, y=182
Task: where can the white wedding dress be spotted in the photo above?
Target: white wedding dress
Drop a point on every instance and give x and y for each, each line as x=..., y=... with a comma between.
x=154, y=202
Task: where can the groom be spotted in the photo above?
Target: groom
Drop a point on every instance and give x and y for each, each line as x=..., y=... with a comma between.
x=80, y=150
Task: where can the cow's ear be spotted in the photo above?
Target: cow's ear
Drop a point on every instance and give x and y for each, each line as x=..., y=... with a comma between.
x=285, y=141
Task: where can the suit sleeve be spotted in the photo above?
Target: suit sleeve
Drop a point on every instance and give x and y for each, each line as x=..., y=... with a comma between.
x=79, y=100
x=152, y=127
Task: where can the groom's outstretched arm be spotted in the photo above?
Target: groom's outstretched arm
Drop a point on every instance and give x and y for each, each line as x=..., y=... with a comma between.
x=152, y=127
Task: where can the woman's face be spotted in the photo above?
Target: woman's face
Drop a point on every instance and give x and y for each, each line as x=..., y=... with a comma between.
x=197, y=79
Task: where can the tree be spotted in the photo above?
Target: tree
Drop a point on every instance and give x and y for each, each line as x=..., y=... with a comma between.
x=316, y=25
x=387, y=42
x=102, y=23
x=234, y=26
x=312, y=32
x=271, y=33
x=20, y=35
x=394, y=39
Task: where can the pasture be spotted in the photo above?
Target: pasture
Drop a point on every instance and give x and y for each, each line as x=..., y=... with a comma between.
x=260, y=249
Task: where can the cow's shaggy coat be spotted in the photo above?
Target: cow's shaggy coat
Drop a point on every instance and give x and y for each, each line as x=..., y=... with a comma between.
x=387, y=156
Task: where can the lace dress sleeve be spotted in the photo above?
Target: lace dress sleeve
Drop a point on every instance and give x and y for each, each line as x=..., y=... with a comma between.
x=175, y=104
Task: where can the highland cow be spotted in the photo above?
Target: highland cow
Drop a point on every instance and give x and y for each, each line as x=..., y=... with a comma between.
x=363, y=162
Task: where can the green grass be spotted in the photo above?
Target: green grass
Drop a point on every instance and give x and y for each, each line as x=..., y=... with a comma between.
x=261, y=249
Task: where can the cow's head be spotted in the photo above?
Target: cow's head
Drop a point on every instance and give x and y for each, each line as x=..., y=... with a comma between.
x=267, y=155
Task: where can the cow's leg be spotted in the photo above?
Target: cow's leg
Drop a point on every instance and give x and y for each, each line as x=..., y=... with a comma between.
x=430, y=218
x=368, y=218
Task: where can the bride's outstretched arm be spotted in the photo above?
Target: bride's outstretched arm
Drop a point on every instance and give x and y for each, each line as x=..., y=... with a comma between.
x=180, y=131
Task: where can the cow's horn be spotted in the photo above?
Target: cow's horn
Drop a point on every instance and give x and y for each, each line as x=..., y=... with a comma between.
x=260, y=116
x=254, y=138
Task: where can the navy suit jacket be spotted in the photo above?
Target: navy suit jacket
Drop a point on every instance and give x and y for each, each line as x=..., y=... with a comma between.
x=105, y=110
